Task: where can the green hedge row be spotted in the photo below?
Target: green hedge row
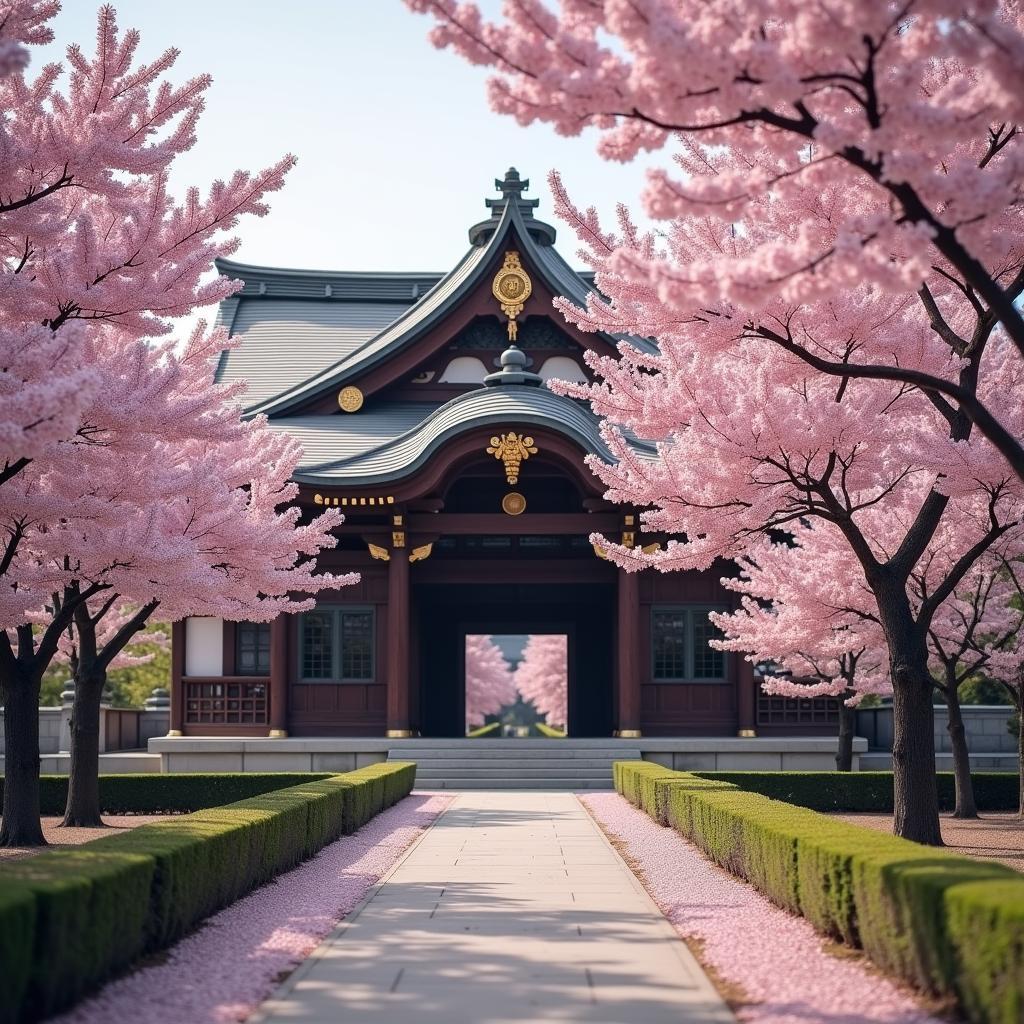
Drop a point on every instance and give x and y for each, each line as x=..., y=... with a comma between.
x=549, y=731
x=71, y=918
x=947, y=924
x=155, y=793
x=866, y=791
x=492, y=729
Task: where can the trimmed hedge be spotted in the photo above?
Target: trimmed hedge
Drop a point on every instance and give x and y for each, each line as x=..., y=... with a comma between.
x=155, y=793
x=69, y=919
x=549, y=731
x=866, y=791
x=492, y=729
x=950, y=925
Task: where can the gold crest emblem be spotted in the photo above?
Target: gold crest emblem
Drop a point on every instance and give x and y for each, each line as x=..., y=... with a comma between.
x=513, y=504
x=350, y=399
x=512, y=287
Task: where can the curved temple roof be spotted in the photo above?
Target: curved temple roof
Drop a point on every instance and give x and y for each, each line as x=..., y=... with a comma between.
x=516, y=404
x=304, y=333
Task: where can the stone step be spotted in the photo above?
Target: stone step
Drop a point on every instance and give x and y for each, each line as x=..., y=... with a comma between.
x=475, y=782
x=522, y=771
x=552, y=764
x=589, y=753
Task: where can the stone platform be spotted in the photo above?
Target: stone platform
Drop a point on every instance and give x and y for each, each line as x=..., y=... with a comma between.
x=517, y=763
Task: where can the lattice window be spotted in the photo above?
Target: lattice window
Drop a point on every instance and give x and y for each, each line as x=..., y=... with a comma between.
x=791, y=711
x=707, y=662
x=317, y=644
x=668, y=636
x=336, y=644
x=226, y=703
x=356, y=645
x=252, y=648
x=681, y=648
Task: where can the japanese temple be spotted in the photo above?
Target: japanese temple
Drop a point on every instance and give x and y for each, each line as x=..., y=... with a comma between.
x=421, y=405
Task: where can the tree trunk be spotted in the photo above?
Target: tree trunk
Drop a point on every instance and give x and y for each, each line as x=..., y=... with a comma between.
x=915, y=792
x=847, y=723
x=19, y=691
x=83, y=806
x=1020, y=745
x=965, y=804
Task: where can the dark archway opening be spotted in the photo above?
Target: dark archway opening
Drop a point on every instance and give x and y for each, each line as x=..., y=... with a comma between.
x=447, y=613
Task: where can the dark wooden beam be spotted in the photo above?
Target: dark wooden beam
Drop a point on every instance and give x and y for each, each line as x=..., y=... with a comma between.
x=449, y=524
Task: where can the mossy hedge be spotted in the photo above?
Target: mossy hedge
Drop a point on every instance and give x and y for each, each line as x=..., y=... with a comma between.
x=549, y=731
x=866, y=791
x=69, y=919
x=492, y=729
x=947, y=924
x=156, y=793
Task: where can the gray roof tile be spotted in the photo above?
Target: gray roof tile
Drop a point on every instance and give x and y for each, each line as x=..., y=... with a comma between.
x=287, y=341
x=507, y=407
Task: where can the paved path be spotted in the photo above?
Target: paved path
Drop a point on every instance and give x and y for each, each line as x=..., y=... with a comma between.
x=512, y=907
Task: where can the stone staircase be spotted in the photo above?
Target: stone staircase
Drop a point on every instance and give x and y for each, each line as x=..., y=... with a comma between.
x=560, y=764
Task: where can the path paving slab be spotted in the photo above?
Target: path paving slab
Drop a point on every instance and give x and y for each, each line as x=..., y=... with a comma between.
x=513, y=907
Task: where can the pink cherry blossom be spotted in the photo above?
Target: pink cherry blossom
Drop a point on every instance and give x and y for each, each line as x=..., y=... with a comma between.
x=542, y=677
x=489, y=681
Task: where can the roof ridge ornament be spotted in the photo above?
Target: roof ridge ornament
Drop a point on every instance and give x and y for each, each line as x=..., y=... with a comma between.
x=513, y=370
x=511, y=188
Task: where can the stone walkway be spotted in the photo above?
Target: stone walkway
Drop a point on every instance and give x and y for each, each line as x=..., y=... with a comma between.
x=512, y=907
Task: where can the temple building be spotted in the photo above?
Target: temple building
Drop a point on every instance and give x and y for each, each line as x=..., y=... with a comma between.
x=421, y=405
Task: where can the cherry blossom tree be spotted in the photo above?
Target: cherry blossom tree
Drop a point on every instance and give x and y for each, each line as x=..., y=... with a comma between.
x=997, y=643
x=542, y=677
x=110, y=431
x=101, y=637
x=489, y=681
x=908, y=112
x=806, y=608
x=826, y=289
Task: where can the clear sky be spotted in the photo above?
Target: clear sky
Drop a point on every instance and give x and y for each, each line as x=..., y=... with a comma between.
x=397, y=147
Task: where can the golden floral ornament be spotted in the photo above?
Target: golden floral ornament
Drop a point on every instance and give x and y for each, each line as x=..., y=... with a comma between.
x=350, y=399
x=512, y=287
x=513, y=450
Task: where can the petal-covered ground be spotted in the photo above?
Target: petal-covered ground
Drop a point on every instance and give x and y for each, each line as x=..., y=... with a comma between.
x=223, y=971
x=59, y=836
x=777, y=961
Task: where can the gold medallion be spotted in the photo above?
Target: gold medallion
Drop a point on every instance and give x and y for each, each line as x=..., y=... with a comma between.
x=350, y=399
x=512, y=287
x=513, y=504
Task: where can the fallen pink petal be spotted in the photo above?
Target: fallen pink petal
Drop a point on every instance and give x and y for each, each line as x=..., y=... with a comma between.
x=781, y=964
x=225, y=969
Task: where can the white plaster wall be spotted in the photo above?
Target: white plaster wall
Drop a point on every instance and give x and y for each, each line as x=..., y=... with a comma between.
x=204, y=646
x=464, y=370
x=562, y=368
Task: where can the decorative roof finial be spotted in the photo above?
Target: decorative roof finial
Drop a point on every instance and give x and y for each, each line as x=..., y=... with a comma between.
x=513, y=369
x=511, y=188
x=512, y=184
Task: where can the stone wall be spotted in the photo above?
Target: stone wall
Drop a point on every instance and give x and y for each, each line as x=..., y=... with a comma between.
x=986, y=726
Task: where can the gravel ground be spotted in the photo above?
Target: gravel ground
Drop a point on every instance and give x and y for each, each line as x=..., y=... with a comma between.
x=991, y=837
x=226, y=968
x=59, y=837
x=772, y=966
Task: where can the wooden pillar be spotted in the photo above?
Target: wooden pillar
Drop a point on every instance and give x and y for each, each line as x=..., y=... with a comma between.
x=629, y=655
x=398, y=644
x=177, y=672
x=279, y=676
x=746, y=697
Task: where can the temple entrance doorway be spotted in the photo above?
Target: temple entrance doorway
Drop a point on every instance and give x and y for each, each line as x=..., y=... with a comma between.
x=452, y=618
x=517, y=685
